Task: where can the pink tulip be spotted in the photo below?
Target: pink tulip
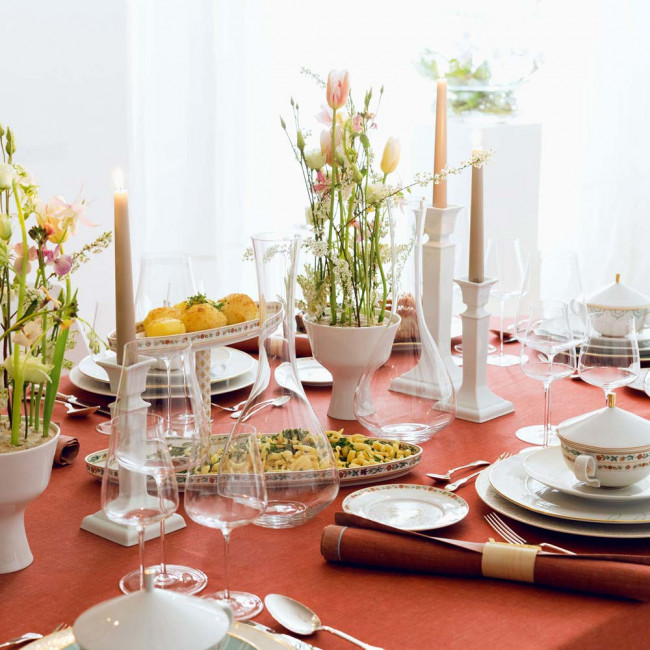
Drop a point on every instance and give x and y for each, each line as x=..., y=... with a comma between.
x=338, y=88
x=326, y=142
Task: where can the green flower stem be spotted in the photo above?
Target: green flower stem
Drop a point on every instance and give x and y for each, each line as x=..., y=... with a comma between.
x=55, y=376
x=16, y=397
x=23, y=266
x=39, y=397
x=331, y=229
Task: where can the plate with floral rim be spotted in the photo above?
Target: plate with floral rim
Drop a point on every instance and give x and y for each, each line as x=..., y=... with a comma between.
x=407, y=506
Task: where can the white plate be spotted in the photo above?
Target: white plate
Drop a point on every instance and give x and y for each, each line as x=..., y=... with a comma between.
x=491, y=498
x=248, y=637
x=509, y=478
x=637, y=384
x=310, y=373
x=226, y=363
x=99, y=388
x=408, y=507
x=548, y=467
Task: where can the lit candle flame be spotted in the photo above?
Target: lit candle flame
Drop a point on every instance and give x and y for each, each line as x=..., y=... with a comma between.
x=118, y=179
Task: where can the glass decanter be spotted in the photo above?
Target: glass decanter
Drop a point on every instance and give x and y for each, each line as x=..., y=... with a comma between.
x=405, y=392
x=300, y=469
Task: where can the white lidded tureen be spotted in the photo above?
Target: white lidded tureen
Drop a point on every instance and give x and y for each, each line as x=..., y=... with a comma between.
x=153, y=618
x=607, y=448
x=614, y=302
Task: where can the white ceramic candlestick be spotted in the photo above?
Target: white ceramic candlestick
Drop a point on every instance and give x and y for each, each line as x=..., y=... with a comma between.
x=475, y=401
x=135, y=379
x=438, y=260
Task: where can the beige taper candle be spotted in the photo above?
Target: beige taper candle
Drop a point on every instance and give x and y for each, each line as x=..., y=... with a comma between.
x=124, y=306
x=476, y=237
x=440, y=156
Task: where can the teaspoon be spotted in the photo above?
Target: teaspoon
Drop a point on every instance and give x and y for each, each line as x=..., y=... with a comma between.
x=301, y=620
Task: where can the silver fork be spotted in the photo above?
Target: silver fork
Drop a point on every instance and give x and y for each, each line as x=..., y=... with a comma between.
x=232, y=409
x=499, y=526
x=452, y=487
x=447, y=476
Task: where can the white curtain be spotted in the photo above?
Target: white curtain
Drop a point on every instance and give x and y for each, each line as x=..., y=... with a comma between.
x=210, y=165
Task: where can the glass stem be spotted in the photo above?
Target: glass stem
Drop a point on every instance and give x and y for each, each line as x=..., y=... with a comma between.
x=502, y=304
x=141, y=546
x=547, y=413
x=226, y=565
x=163, y=563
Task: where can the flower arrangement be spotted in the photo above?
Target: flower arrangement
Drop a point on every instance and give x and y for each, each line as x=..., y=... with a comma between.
x=350, y=203
x=37, y=301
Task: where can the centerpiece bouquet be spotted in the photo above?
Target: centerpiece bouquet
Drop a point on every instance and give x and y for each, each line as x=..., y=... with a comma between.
x=349, y=281
x=38, y=303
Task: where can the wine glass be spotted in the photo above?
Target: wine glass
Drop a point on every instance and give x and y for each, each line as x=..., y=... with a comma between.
x=165, y=280
x=551, y=275
x=547, y=353
x=231, y=498
x=139, y=485
x=610, y=356
x=173, y=395
x=503, y=261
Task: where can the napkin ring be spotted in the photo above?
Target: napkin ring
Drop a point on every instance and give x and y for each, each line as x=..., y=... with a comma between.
x=509, y=561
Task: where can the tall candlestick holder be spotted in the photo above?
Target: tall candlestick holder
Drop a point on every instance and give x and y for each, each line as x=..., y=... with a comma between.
x=438, y=261
x=475, y=402
x=134, y=378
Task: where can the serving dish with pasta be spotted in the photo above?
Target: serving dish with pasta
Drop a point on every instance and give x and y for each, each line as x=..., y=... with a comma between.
x=287, y=456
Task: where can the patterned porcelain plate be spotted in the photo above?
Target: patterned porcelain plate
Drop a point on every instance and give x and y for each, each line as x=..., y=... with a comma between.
x=509, y=478
x=548, y=467
x=96, y=464
x=408, y=507
x=240, y=637
x=494, y=500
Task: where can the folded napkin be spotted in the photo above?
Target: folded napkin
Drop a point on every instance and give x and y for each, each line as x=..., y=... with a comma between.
x=67, y=449
x=355, y=540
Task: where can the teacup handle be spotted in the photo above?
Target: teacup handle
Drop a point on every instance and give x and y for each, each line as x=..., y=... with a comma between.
x=585, y=470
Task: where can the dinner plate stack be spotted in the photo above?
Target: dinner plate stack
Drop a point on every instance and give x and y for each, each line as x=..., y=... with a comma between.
x=230, y=370
x=537, y=488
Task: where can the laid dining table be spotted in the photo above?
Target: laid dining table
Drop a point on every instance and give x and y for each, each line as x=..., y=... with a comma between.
x=74, y=569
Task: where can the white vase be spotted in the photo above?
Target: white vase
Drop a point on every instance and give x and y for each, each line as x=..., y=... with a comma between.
x=345, y=352
x=24, y=475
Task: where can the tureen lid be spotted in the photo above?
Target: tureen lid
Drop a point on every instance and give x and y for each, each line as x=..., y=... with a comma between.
x=152, y=618
x=608, y=428
x=619, y=296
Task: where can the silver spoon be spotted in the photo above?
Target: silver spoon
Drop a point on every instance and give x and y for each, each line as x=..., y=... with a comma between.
x=301, y=620
x=28, y=636
x=236, y=407
x=277, y=401
x=77, y=412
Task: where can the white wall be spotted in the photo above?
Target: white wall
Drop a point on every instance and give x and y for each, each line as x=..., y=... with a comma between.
x=63, y=90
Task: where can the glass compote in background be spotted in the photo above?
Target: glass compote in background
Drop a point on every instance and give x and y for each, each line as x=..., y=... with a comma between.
x=609, y=361
x=503, y=261
x=551, y=275
x=228, y=499
x=547, y=353
x=143, y=490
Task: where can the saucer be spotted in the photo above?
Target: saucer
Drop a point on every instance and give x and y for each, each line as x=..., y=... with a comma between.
x=408, y=507
x=548, y=467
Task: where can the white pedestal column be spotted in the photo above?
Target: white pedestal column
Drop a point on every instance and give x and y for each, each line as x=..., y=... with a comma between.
x=438, y=256
x=475, y=402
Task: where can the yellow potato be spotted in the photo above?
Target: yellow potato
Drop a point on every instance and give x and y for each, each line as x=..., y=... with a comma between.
x=164, y=327
x=161, y=312
x=202, y=317
x=238, y=307
x=180, y=307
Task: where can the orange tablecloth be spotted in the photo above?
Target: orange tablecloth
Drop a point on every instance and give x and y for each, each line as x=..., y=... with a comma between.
x=74, y=569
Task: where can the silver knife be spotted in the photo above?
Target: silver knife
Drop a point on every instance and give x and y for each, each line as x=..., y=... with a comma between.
x=293, y=642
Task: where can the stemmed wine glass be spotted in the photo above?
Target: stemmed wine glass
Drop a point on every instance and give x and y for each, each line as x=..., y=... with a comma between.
x=234, y=497
x=551, y=275
x=139, y=485
x=503, y=261
x=610, y=356
x=548, y=352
